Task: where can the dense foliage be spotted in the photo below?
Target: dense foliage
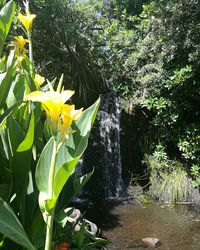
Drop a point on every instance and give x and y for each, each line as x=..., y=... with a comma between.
x=146, y=50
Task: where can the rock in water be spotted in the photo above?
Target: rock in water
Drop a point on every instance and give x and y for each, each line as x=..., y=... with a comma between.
x=145, y=242
x=152, y=242
x=137, y=244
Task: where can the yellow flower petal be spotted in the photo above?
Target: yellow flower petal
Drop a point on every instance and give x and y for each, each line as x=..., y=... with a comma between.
x=52, y=110
x=36, y=96
x=67, y=116
x=21, y=41
x=39, y=96
x=70, y=111
x=26, y=20
x=39, y=80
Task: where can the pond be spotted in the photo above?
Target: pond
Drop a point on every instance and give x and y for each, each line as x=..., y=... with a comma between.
x=178, y=228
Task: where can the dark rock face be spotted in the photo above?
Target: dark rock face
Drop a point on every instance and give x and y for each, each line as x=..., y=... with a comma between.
x=135, y=142
x=103, y=152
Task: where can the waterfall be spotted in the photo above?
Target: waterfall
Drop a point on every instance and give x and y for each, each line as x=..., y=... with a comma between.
x=103, y=152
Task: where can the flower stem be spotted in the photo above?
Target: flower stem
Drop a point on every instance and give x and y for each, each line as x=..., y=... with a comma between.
x=50, y=217
x=31, y=53
x=49, y=230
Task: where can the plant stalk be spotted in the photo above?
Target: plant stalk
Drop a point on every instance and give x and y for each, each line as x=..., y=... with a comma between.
x=49, y=231
x=31, y=54
x=50, y=217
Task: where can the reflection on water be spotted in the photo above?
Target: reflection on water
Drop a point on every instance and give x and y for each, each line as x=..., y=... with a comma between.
x=176, y=227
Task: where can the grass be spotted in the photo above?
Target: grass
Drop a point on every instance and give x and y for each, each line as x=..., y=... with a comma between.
x=171, y=187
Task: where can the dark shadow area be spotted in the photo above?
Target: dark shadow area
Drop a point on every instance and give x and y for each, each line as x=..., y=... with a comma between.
x=100, y=212
x=136, y=134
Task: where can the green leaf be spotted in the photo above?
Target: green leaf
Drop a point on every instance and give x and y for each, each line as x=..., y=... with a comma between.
x=2, y=63
x=11, y=227
x=27, y=143
x=37, y=229
x=13, y=129
x=16, y=92
x=6, y=79
x=6, y=17
x=21, y=165
x=30, y=82
x=62, y=217
x=73, y=186
x=4, y=190
x=7, y=113
x=80, y=236
x=66, y=160
x=62, y=175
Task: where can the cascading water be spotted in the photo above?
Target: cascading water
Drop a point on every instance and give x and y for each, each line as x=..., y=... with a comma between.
x=103, y=152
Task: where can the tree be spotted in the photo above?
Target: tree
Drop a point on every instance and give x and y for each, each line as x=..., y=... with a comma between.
x=70, y=45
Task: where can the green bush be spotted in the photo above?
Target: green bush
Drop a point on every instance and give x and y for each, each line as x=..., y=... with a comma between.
x=169, y=180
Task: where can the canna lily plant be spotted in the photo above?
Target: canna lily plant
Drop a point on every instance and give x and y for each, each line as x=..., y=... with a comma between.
x=60, y=117
x=32, y=169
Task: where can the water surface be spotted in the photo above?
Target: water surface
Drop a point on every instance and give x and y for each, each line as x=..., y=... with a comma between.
x=177, y=227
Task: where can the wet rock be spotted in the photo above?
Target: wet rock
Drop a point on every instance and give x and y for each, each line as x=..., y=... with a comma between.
x=152, y=242
x=137, y=243
x=75, y=217
x=134, y=191
x=144, y=243
x=91, y=227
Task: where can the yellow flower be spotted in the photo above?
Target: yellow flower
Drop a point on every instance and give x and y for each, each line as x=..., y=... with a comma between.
x=53, y=96
x=20, y=57
x=67, y=116
x=19, y=44
x=26, y=20
x=21, y=41
x=52, y=102
x=38, y=80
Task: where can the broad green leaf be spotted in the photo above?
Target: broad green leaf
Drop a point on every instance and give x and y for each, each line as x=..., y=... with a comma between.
x=42, y=168
x=13, y=129
x=27, y=143
x=4, y=190
x=11, y=227
x=8, y=134
x=16, y=92
x=62, y=217
x=80, y=236
x=7, y=113
x=76, y=184
x=73, y=186
x=47, y=202
x=37, y=229
x=30, y=82
x=60, y=179
x=67, y=158
x=5, y=144
x=21, y=165
x=6, y=17
x=2, y=63
x=6, y=79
